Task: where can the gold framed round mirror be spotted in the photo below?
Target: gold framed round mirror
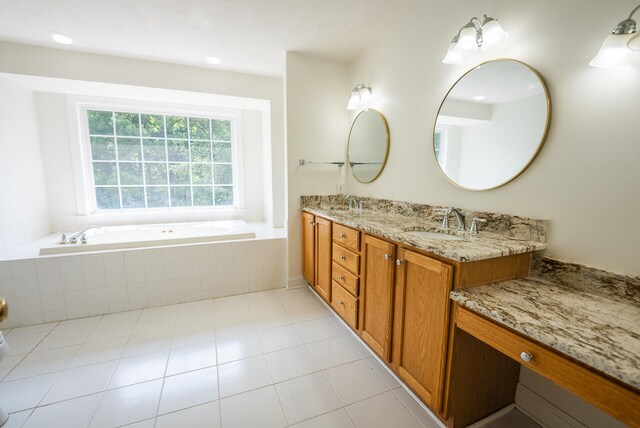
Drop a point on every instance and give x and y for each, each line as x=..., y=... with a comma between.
x=368, y=145
x=491, y=124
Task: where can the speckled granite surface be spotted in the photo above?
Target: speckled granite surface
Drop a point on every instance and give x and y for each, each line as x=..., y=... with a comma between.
x=395, y=221
x=511, y=226
x=593, y=323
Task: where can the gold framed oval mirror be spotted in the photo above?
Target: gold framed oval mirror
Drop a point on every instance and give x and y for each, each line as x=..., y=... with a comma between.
x=368, y=145
x=491, y=124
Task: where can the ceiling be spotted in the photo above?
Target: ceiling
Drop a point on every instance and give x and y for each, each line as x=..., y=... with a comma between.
x=248, y=35
x=498, y=82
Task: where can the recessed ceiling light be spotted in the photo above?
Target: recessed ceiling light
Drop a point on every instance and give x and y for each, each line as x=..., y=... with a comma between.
x=63, y=39
x=479, y=97
x=213, y=60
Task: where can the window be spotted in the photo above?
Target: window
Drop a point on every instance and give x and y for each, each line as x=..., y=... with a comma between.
x=142, y=160
x=440, y=146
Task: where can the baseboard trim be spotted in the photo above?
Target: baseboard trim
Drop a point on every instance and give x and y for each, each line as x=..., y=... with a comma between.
x=296, y=282
x=482, y=423
x=543, y=412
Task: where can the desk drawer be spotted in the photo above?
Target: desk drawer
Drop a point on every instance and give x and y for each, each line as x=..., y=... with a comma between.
x=610, y=396
x=346, y=259
x=344, y=304
x=345, y=278
x=347, y=237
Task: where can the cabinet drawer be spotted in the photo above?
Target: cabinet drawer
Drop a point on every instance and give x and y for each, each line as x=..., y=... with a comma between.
x=345, y=278
x=347, y=237
x=345, y=305
x=346, y=259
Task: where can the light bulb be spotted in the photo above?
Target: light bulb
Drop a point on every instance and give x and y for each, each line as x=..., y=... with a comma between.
x=467, y=43
x=492, y=34
x=365, y=94
x=214, y=60
x=614, y=51
x=354, y=100
x=63, y=39
x=453, y=56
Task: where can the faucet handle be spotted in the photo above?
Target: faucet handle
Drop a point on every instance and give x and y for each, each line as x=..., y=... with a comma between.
x=474, y=224
x=63, y=238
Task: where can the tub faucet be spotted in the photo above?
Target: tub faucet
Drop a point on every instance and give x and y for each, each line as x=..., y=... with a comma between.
x=73, y=239
x=459, y=217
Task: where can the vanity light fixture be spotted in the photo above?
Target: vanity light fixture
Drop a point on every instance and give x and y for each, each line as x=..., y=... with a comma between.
x=475, y=35
x=360, y=94
x=617, y=47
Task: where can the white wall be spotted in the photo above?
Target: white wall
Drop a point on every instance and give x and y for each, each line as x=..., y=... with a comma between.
x=37, y=61
x=585, y=179
x=317, y=128
x=23, y=200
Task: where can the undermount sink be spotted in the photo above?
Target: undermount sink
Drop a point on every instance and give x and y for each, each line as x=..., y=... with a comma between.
x=434, y=235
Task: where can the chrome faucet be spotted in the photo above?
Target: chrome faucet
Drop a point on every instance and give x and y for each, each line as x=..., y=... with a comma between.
x=73, y=239
x=459, y=217
x=353, y=201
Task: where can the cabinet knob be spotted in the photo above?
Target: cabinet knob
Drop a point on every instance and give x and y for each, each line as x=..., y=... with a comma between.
x=341, y=277
x=342, y=235
x=343, y=258
x=526, y=356
x=341, y=302
x=311, y=223
x=387, y=256
x=399, y=262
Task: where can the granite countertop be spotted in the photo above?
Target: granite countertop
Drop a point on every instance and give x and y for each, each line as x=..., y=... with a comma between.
x=597, y=327
x=395, y=226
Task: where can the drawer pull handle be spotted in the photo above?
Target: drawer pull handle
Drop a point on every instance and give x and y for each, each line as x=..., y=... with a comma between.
x=342, y=235
x=343, y=258
x=526, y=356
x=341, y=277
x=387, y=256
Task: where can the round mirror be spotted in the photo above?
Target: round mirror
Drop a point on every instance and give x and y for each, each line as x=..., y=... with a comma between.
x=368, y=145
x=491, y=124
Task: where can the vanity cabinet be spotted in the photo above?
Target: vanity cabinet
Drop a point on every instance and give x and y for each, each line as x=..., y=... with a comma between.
x=309, y=247
x=421, y=323
x=316, y=253
x=345, y=272
x=376, y=303
x=396, y=298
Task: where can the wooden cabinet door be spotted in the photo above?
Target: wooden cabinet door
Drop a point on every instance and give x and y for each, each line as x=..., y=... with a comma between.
x=376, y=310
x=308, y=247
x=323, y=258
x=421, y=323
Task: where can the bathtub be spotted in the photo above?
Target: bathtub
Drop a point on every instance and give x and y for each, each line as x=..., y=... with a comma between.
x=153, y=235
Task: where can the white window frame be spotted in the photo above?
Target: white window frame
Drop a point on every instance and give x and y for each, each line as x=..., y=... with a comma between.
x=77, y=108
x=442, y=156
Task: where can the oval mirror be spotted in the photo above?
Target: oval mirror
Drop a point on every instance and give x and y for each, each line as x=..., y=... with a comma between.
x=368, y=145
x=491, y=124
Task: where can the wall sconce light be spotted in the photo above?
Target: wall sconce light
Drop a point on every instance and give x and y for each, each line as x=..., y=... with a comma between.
x=475, y=34
x=360, y=94
x=616, y=49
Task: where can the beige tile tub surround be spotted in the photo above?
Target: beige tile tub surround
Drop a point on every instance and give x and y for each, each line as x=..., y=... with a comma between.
x=57, y=288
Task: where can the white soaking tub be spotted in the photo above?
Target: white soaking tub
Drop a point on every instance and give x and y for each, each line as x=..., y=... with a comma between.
x=153, y=235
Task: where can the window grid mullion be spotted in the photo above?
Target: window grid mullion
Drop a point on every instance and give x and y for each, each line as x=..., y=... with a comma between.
x=166, y=158
x=213, y=189
x=115, y=141
x=189, y=149
x=144, y=175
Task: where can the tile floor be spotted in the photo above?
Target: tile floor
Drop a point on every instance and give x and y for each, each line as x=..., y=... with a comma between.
x=269, y=359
